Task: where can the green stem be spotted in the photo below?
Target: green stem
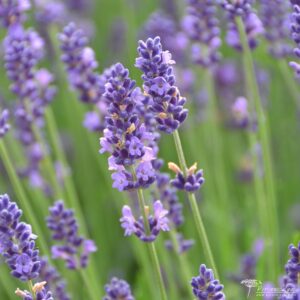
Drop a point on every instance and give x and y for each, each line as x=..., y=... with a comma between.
x=22, y=197
x=151, y=246
x=264, y=136
x=289, y=81
x=194, y=206
x=184, y=264
x=87, y=282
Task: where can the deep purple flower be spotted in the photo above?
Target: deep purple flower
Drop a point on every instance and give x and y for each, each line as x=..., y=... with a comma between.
x=205, y=286
x=12, y=12
x=295, y=31
x=275, y=18
x=158, y=221
x=167, y=103
x=190, y=182
x=126, y=136
x=17, y=245
x=72, y=248
x=54, y=281
x=237, y=7
x=4, y=126
x=202, y=27
x=117, y=289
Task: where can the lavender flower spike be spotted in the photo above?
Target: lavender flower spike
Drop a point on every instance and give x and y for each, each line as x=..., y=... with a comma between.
x=12, y=12
x=39, y=292
x=4, y=126
x=202, y=27
x=290, y=282
x=73, y=249
x=275, y=18
x=295, y=30
x=17, y=245
x=126, y=136
x=157, y=222
x=159, y=83
x=205, y=286
x=117, y=289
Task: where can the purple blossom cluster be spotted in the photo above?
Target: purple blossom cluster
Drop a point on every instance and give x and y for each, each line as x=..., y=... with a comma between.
x=126, y=136
x=159, y=83
x=202, y=27
x=17, y=242
x=295, y=31
x=275, y=17
x=191, y=181
x=290, y=282
x=4, y=126
x=205, y=286
x=73, y=249
x=12, y=12
x=252, y=24
x=55, y=283
x=117, y=289
x=81, y=66
x=240, y=113
x=183, y=244
x=23, y=51
x=157, y=222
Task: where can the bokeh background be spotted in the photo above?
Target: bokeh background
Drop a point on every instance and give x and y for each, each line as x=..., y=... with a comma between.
x=114, y=27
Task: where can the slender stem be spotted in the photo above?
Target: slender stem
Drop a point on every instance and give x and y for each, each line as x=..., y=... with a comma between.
x=264, y=135
x=184, y=264
x=151, y=247
x=289, y=81
x=194, y=206
x=87, y=283
x=22, y=197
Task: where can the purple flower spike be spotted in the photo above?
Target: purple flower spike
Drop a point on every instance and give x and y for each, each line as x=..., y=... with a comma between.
x=202, y=27
x=12, y=12
x=275, y=17
x=17, y=245
x=157, y=222
x=4, y=126
x=54, y=281
x=295, y=31
x=117, y=289
x=290, y=282
x=240, y=113
x=253, y=25
x=191, y=182
x=205, y=286
x=73, y=249
x=167, y=103
x=126, y=136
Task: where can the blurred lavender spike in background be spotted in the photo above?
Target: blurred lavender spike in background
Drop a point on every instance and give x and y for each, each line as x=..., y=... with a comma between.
x=72, y=248
x=159, y=83
x=275, y=18
x=236, y=8
x=4, y=126
x=117, y=289
x=55, y=283
x=12, y=12
x=202, y=27
x=158, y=221
x=184, y=245
x=17, y=242
x=295, y=32
x=205, y=286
